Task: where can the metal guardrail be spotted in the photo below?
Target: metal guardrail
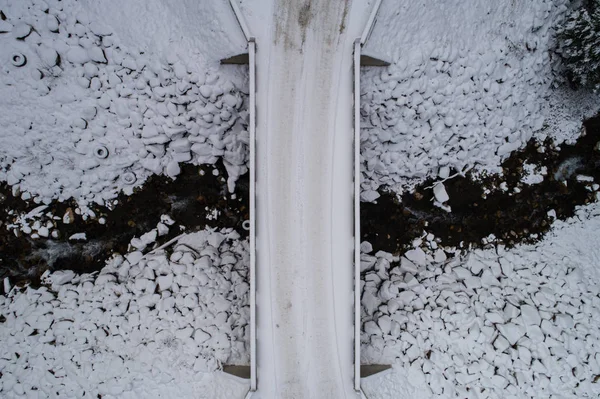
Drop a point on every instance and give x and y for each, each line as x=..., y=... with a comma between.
x=252, y=183
x=370, y=23
x=241, y=20
x=252, y=172
x=357, y=48
x=358, y=43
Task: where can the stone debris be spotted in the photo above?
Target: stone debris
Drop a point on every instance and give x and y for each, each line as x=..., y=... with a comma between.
x=491, y=323
x=173, y=313
x=146, y=114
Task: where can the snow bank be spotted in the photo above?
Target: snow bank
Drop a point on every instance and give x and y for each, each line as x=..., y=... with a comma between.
x=88, y=117
x=151, y=325
x=490, y=323
x=202, y=32
x=471, y=82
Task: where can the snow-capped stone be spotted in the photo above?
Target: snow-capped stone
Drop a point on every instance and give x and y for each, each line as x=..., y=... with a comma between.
x=535, y=333
x=78, y=237
x=201, y=336
x=385, y=324
x=21, y=30
x=369, y=195
x=149, y=131
x=530, y=315
x=5, y=26
x=510, y=311
x=165, y=282
x=100, y=29
x=149, y=237
x=462, y=273
x=180, y=145
x=444, y=172
x=78, y=55
x=366, y=247
x=408, y=266
x=488, y=279
x=499, y=382
x=162, y=229
x=494, y=317
x=96, y=54
x=184, y=333
x=216, y=239
x=512, y=332
x=524, y=355
x=417, y=256
x=172, y=170
x=48, y=56
x=205, y=91
x=43, y=232
x=565, y=321
x=501, y=344
x=439, y=191
x=134, y=257
x=439, y=256
x=371, y=328
x=62, y=277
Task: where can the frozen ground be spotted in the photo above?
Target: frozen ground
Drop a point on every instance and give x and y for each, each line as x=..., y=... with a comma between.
x=89, y=115
x=493, y=323
x=471, y=81
x=148, y=326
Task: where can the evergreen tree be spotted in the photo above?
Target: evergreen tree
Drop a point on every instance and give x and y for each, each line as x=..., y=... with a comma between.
x=579, y=45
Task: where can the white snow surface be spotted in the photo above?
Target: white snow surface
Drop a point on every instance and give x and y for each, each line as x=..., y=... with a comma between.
x=492, y=323
x=201, y=32
x=147, y=326
x=470, y=82
x=90, y=115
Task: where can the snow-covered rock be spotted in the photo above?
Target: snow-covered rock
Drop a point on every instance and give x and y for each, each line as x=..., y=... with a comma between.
x=458, y=94
x=492, y=323
x=114, y=335
x=92, y=90
x=440, y=194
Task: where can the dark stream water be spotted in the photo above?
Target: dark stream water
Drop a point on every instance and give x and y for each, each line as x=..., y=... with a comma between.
x=189, y=201
x=512, y=216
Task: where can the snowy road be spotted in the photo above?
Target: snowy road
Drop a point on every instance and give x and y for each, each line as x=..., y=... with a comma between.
x=305, y=196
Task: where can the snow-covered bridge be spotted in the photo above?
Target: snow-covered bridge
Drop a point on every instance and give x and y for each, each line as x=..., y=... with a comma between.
x=302, y=55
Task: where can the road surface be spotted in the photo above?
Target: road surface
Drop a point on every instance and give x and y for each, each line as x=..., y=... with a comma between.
x=304, y=186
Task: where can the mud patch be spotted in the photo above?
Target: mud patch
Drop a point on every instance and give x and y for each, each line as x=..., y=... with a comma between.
x=196, y=199
x=502, y=206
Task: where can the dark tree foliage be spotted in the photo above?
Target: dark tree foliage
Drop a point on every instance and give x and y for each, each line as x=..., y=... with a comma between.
x=579, y=45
